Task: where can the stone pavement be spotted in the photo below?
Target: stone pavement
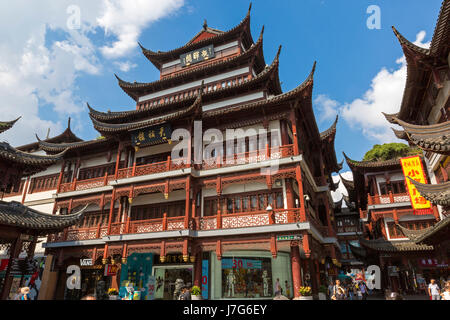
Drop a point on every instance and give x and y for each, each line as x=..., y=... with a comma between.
x=406, y=297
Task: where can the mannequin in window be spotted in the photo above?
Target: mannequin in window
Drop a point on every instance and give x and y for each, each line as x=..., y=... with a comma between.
x=231, y=279
x=265, y=277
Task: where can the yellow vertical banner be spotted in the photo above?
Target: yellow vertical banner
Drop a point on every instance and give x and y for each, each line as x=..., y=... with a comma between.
x=412, y=167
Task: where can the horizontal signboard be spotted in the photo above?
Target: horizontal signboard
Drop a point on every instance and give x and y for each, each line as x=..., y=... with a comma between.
x=196, y=56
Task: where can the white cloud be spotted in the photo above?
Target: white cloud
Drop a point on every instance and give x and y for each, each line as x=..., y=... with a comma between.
x=328, y=108
x=126, y=19
x=38, y=75
x=125, y=66
x=384, y=95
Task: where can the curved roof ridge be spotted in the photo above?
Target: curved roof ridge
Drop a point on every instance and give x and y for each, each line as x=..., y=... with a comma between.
x=129, y=86
x=330, y=131
x=108, y=116
x=6, y=125
x=116, y=127
x=435, y=193
x=368, y=164
x=441, y=33
x=405, y=42
x=306, y=84
x=390, y=117
x=156, y=58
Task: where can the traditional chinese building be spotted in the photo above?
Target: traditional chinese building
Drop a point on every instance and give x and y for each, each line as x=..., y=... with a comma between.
x=348, y=230
x=20, y=225
x=385, y=207
x=425, y=109
x=411, y=245
x=232, y=217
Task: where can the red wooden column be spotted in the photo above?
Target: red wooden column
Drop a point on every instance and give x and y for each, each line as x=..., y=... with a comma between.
x=119, y=153
x=61, y=174
x=14, y=252
x=25, y=190
x=296, y=268
x=198, y=268
x=294, y=131
x=111, y=211
x=298, y=176
x=188, y=202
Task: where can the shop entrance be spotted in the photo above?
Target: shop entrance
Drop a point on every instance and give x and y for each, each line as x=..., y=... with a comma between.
x=170, y=279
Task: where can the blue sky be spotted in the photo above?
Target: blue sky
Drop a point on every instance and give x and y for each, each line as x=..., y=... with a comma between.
x=48, y=72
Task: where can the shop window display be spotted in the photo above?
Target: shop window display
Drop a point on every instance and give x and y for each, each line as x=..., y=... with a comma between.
x=135, y=273
x=244, y=277
x=170, y=280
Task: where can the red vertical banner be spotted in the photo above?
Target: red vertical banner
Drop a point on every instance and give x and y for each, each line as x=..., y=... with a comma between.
x=412, y=167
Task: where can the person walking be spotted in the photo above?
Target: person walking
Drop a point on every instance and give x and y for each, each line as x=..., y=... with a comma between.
x=338, y=291
x=330, y=290
x=433, y=290
x=350, y=290
x=446, y=294
x=278, y=289
x=364, y=290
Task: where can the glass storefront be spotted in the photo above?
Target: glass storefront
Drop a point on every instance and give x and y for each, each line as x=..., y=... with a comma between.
x=250, y=275
x=135, y=273
x=170, y=280
x=246, y=277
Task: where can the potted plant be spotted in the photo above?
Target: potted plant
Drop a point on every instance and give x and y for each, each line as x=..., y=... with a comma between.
x=196, y=293
x=322, y=292
x=305, y=294
x=113, y=293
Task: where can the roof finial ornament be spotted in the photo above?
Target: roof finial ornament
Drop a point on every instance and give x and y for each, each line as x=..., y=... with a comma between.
x=205, y=24
x=68, y=123
x=48, y=133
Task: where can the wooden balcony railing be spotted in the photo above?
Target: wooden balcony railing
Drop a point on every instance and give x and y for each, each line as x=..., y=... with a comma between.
x=76, y=234
x=152, y=168
x=348, y=229
x=387, y=198
x=249, y=157
x=219, y=221
x=249, y=219
x=85, y=184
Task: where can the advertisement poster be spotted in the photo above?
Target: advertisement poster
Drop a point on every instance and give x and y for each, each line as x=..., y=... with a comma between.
x=412, y=167
x=151, y=286
x=205, y=278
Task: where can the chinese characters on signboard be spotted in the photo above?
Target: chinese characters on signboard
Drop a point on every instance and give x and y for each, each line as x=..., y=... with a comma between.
x=196, y=56
x=412, y=167
x=151, y=135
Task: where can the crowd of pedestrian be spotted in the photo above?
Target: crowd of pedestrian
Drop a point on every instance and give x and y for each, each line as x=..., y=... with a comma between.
x=355, y=290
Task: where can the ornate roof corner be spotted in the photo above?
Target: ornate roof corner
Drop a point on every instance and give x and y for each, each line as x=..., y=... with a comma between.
x=391, y=117
x=435, y=193
x=16, y=214
x=409, y=45
x=330, y=132
x=6, y=125
x=400, y=134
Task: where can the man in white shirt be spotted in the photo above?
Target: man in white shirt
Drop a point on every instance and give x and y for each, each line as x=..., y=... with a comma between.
x=433, y=290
